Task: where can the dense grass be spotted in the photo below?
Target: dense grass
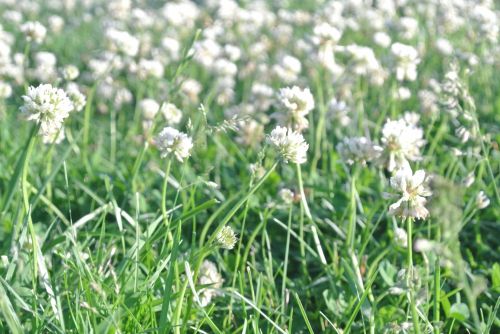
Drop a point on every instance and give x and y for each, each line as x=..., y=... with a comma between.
x=98, y=234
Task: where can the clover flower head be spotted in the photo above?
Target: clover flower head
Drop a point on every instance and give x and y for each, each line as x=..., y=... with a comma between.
x=289, y=144
x=172, y=141
x=48, y=106
x=414, y=191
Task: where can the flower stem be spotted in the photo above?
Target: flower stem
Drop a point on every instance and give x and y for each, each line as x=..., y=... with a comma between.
x=409, y=275
x=164, y=194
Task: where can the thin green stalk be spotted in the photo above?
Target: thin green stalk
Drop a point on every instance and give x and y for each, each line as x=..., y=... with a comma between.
x=409, y=275
x=164, y=193
x=285, y=265
x=437, y=285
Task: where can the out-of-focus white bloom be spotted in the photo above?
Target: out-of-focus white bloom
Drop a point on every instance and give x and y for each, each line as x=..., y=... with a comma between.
x=339, y=111
x=428, y=102
x=149, y=108
x=77, y=98
x=171, y=113
x=382, y=39
x=411, y=118
x=209, y=277
x=47, y=106
x=444, y=46
x=487, y=21
x=296, y=103
x=363, y=62
x=401, y=142
x=262, y=96
x=401, y=237
x=171, y=141
x=149, y=68
x=288, y=69
x=34, y=31
x=5, y=90
x=408, y=27
x=289, y=144
x=286, y=195
x=252, y=133
x=123, y=42
x=45, y=66
x=226, y=238
x=56, y=23
x=482, y=201
x=206, y=52
x=172, y=47
x=414, y=192
x=182, y=14
x=402, y=94
x=406, y=61
x=358, y=149
x=423, y=245
x=70, y=72
x=191, y=88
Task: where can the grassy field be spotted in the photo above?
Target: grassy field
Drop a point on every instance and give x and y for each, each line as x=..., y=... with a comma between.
x=249, y=166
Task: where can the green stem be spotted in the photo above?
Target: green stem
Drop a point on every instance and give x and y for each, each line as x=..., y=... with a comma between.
x=409, y=275
x=285, y=265
x=164, y=194
x=437, y=285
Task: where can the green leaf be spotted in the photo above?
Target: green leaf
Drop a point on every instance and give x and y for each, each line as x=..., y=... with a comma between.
x=459, y=311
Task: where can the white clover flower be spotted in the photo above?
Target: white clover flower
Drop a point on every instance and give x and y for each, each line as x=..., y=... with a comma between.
x=123, y=42
x=289, y=144
x=150, y=68
x=296, y=103
x=149, y=108
x=382, y=39
x=414, y=192
x=482, y=201
x=406, y=61
x=358, y=149
x=47, y=106
x=339, y=111
x=34, y=31
x=401, y=142
x=286, y=195
x=172, y=141
x=70, y=72
x=210, y=277
x=77, y=98
x=226, y=238
x=5, y=90
x=171, y=113
x=288, y=69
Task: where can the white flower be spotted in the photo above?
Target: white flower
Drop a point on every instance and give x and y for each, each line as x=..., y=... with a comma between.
x=482, y=201
x=150, y=69
x=407, y=59
x=290, y=144
x=286, y=195
x=77, y=98
x=70, y=72
x=149, y=108
x=47, y=106
x=170, y=140
x=401, y=142
x=296, y=104
x=5, y=90
x=288, y=69
x=122, y=41
x=211, y=279
x=226, y=238
x=358, y=149
x=34, y=31
x=414, y=192
x=172, y=114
